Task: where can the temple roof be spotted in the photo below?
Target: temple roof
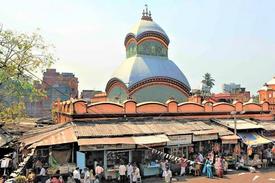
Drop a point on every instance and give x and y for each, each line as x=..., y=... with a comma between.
x=271, y=82
x=145, y=26
x=139, y=68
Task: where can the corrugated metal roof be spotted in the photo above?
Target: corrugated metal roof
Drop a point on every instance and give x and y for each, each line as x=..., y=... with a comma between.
x=63, y=136
x=5, y=137
x=268, y=126
x=83, y=130
x=241, y=124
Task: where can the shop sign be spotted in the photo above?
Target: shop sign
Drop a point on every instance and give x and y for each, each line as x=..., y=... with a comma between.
x=231, y=141
x=106, y=147
x=152, y=145
x=179, y=139
x=204, y=137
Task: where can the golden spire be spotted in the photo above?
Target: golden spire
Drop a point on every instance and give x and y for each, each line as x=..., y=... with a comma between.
x=146, y=15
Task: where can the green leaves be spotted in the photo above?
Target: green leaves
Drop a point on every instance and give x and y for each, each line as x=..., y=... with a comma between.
x=20, y=55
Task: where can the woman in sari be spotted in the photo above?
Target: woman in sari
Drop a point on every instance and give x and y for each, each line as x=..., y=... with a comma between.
x=208, y=168
x=219, y=167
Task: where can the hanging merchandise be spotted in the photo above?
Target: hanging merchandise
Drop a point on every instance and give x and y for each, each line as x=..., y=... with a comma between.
x=217, y=147
x=190, y=149
x=237, y=149
x=249, y=150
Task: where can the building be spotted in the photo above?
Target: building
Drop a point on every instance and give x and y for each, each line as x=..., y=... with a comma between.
x=87, y=95
x=147, y=74
x=267, y=93
x=230, y=88
x=57, y=85
x=128, y=127
x=232, y=92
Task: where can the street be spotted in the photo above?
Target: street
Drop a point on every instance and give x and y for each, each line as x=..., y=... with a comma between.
x=264, y=176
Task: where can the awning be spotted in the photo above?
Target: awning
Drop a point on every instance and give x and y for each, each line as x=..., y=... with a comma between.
x=61, y=137
x=138, y=140
x=272, y=138
x=150, y=139
x=253, y=139
x=230, y=139
x=205, y=135
x=106, y=141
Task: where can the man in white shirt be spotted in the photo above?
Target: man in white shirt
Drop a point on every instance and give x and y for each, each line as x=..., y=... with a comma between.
x=42, y=172
x=76, y=175
x=122, y=173
x=129, y=172
x=136, y=174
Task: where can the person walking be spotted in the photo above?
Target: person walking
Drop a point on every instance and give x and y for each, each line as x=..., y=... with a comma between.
x=168, y=175
x=129, y=172
x=99, y=171
x=219, y=167
x=76, y=175
x=86, y=176
x=136, y=174
x=208, y=168
x=183, y=165
x=122, y=172
x=92, y=176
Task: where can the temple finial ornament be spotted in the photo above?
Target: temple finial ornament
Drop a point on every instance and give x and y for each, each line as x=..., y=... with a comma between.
x=146, y=15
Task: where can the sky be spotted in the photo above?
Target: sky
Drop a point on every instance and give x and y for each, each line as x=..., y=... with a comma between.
x=233, y=40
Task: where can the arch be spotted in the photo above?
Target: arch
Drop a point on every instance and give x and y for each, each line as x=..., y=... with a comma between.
x=190, y=107
x=151, y=107
x=105, y=108
x=252, y=107
x=223, y=107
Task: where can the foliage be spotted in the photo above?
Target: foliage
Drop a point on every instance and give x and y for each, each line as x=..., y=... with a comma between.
x=21, y=179
x=20, y=55
x=208, y=80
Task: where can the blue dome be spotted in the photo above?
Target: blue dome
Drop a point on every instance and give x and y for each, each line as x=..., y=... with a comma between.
x=139, y=68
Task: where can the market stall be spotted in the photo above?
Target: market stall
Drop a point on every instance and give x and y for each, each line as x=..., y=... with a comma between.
x=229, y=143
x=254, y=143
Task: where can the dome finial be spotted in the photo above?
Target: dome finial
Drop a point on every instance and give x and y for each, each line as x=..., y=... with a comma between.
x=146, y=15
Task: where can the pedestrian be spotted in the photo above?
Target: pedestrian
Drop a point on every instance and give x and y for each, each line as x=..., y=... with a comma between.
x=129, y=172
x=219, y=167
x=168, y=175
x=92, y=176
x=99, y=172
x=183, y=165
x=269, y=156
x=86, y=175
x=31, y=177
x=76, y=175
x=54, y=179
x=163, y=167
x=122, y=172
x=207, y=169
x=135, y=174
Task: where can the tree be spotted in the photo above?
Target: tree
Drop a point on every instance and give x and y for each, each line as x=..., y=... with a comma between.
x=20, y=55
x=208, y=83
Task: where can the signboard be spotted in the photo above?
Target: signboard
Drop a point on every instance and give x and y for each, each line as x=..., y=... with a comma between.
x=106, y=147
x=230, y=141
x=80, y=160
x=204, y=137
x=179, y=140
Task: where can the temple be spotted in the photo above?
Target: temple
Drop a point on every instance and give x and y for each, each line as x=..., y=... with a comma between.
x=147, y=74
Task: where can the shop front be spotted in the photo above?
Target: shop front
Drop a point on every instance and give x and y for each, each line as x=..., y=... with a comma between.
x=229, y=143
x=254, y=145
x=204, y=141
x=111, y=152
x=179, y=145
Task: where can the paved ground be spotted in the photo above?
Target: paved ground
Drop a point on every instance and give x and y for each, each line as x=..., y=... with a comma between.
x=264, y=176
